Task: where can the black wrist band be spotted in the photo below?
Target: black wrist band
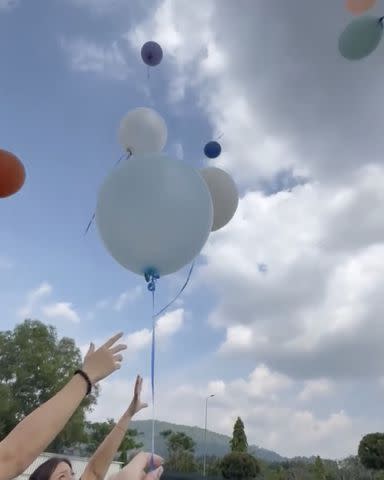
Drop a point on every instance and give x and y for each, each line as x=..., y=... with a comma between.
x=86, y=378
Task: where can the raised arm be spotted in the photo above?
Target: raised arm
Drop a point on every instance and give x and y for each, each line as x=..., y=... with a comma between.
x=36, y=431
x=101, y=460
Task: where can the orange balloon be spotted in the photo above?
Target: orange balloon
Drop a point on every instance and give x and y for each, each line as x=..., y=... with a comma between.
x=359, y=6
x=12, y=174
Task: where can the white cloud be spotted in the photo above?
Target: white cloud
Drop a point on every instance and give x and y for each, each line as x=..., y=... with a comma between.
x=33, y=299
x=319, y=303
x=8, y=4
x=260, y=400
x=128, y=297
x=238, y=337
x=170, y=323
x=166, y=326
x=178, y=150
x=87, y=56
x=61, y=310
x=34, y=306
x=315, y=388
x=138, y=340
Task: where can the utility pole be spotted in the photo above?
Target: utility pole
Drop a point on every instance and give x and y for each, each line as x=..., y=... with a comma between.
x=205, y=435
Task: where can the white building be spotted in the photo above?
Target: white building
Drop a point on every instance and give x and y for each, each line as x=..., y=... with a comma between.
x=78, y=465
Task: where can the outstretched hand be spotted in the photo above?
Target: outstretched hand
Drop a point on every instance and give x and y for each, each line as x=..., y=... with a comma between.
x=136, y=468
x=136, y=404
x=100, y=363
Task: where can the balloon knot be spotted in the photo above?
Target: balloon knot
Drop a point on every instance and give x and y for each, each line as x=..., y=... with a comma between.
x=151, y=276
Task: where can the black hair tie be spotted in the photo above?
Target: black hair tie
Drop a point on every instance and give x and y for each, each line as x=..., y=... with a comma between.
x=86, y=378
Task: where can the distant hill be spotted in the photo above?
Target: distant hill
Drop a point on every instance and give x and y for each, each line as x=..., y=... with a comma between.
x=217, y=444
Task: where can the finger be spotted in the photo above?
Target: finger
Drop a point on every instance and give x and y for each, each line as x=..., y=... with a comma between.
x=112, y=340
x=118, y=358
x=91, y=349
x=118, y=348
x=155, y=474
x=137, y=386
x=144, y=405
x=143, y=460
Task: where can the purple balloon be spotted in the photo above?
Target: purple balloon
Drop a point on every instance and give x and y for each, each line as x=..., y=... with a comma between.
x=151, y=53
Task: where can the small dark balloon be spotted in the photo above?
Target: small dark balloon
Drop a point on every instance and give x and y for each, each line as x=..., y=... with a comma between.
x=152, y=54
x=212, y=149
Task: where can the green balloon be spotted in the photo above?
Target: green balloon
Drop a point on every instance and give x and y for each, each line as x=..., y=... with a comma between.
x=361, y=37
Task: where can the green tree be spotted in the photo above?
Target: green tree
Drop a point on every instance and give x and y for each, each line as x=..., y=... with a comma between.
x=239, y=441
x=371, y=451
x=97, y=431
x=129, y=443
x=239, y=466
x=34, y=365
x=351, y=469
x=213, y=465
x=181, y=449
x=319, y=469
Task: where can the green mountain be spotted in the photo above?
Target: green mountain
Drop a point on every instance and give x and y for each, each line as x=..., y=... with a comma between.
x=217, y=444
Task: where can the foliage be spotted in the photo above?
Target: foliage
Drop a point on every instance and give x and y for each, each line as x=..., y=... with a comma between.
x=239, y=441
x=319, y=469
x=371, y=451
x=97, y=431
x=181, y=449
x=213, y=465
x=34, y=365
x=239, y=466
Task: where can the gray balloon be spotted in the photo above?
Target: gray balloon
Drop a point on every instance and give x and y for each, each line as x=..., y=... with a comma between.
x=225, y=197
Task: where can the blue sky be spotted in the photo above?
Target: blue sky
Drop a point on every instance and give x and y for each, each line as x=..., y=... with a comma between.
x=296, y=350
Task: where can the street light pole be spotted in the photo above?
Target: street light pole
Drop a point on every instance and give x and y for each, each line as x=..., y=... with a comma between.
x=205, y=434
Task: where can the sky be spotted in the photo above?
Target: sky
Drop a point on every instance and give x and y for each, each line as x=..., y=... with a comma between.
x=283, y=317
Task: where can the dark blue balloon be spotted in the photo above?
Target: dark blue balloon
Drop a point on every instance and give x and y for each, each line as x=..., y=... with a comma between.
x=151, y=53
x=212, y=149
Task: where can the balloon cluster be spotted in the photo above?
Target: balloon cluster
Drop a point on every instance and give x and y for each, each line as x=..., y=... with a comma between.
x=154, y=213
x=12, y=174
x=361, y=36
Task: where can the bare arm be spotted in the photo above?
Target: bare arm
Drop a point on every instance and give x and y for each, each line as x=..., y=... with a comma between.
x=42, y=425
x=101, y=460
x=36, y=431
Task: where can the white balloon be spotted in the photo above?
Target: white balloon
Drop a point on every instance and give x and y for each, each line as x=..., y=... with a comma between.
x=225, y=197
x=142, y=131
x=154, y=213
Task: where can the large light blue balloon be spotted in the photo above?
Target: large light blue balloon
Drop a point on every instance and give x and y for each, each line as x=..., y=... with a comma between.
x=154, y=213
x=361, y=37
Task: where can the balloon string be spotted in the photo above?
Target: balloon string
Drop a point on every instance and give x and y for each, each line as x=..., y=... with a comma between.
x=180, y=292
x=153, y=351
x=151, y=278
x=124, y=156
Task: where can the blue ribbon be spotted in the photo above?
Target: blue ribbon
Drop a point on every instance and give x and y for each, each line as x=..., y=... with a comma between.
x=151, y=277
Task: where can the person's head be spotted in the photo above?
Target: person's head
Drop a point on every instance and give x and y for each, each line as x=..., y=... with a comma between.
x=56, y=468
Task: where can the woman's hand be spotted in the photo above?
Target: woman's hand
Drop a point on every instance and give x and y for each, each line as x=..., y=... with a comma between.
x=100, y=363
x=136, y=404
x=135, y=470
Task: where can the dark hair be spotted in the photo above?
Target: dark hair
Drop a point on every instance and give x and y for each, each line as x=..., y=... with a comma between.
x=45, y=470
